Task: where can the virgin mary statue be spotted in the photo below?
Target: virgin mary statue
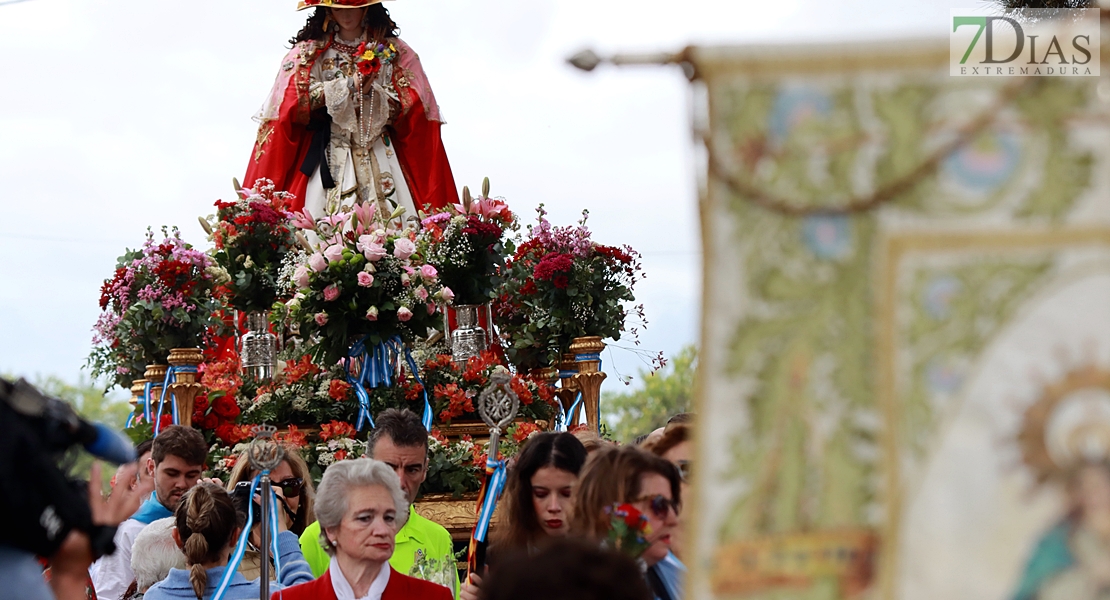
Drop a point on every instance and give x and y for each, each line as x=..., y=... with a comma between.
x=351, y=117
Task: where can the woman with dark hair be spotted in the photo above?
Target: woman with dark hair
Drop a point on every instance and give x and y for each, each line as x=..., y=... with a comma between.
x=652, y=485
x=539, y=493
x=539, y=497
x=351, y=117
x=207, y=528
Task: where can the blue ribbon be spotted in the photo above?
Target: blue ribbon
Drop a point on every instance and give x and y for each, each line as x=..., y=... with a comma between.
x=378, y=365
x=241, y=546
x=564, y=417
x=493, y=492
x=171, y=373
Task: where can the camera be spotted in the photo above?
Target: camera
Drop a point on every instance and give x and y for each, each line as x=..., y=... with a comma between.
x=39, y=503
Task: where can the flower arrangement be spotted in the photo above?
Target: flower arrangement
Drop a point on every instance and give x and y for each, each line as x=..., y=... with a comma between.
x=363, y=281
x=457, y=468
x=466, y=247
x=628, y=529
x=560, y=285
x=371, y=59
x=454, y=390
x=305, y=395
x=159, y=298
x=252, y=236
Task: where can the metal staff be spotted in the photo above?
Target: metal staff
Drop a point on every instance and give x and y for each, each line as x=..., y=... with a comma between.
x=264, y=455
x=497, y=405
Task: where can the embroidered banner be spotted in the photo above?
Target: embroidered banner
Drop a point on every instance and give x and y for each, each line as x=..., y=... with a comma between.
x=905, y=358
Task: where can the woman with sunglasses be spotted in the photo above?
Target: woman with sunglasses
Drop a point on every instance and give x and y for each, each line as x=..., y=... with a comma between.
x=651, y=484
x=676, y=446
x=292, y=484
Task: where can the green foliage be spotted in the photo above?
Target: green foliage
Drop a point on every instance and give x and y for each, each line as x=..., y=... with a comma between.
x=665, y=393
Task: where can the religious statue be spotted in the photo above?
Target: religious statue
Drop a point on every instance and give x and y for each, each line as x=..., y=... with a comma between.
x=351, y=118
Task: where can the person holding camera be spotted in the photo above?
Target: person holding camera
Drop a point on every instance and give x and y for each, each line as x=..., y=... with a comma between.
x=177, y=459
x=293, y=487
x=207, y=529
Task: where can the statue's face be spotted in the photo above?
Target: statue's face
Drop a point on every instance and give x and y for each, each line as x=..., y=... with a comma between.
x=348, y=18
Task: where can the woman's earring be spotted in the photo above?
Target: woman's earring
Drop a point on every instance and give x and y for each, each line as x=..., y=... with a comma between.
x=327, y=22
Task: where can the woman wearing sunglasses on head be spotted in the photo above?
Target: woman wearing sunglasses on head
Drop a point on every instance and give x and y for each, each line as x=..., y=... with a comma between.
x=292, y=484
x=652, y=485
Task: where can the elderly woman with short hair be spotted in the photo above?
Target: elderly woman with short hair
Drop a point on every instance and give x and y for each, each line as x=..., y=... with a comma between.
x=360, y=507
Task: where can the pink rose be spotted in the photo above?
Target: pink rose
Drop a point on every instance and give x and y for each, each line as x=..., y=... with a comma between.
x=331, y=292
x=321, y=319
x=428, y=272
x=403, y=248
x=372, y=313
x=404, y=314
x=369, y=246
x=365, y=279
x=317, y=262
x=300, y=276
x=431, y=308
x=334, y=253
x=421, y=293
x=447, y=294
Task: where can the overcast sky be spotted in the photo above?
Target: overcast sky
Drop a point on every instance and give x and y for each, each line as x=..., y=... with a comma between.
x=119, y=115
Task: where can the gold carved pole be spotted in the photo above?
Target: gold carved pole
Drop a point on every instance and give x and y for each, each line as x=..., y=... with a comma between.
x=186, y=384
x=587, y=351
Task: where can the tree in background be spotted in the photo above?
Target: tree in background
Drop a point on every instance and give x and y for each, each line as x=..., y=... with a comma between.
x=666, y=392
x=92, y=404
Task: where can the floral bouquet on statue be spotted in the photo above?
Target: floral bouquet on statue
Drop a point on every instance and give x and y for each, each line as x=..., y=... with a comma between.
x=160, y=297
x=370, y=58
x=466, y=246
x=252, y=236
x=560, y=285
x=364, y=286
x=453, y=391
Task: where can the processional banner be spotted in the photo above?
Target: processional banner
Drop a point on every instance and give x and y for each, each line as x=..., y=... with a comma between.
x=904, y=386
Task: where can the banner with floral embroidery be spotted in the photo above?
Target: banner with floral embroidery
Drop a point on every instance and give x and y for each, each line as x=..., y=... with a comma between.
x=905, y=359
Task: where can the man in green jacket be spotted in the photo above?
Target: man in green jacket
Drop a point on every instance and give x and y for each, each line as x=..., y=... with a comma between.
x=400, y=441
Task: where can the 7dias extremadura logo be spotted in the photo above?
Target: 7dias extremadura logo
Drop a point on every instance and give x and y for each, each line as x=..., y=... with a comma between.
x=1027, y=42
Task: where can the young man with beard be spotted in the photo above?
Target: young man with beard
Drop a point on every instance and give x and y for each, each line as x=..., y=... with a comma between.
x=176, y=460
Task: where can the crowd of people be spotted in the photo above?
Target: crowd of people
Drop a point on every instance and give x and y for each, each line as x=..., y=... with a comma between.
x=358, y=535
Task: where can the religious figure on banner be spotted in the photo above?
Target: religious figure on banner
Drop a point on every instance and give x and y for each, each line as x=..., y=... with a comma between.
x=352, y=118
x=1071, y=560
